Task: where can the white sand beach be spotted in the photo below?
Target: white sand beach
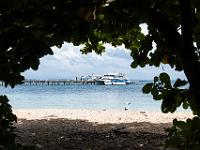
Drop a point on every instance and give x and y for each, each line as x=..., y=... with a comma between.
x=101, y=116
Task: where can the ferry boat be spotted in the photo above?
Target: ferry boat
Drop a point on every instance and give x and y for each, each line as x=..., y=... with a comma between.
x=90, y=77
x=112, y=79
x=108, y=79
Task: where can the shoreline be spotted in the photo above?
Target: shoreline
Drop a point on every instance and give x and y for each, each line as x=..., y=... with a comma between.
x=101, y=116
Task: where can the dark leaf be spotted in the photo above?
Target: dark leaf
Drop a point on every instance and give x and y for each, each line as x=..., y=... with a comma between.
x=179, y=83
x=147, y=88
x=164, y=77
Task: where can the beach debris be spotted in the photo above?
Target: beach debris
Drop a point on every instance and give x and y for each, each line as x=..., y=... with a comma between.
x=95, y=124
x=33, y=134
x=20, y=122
x=141, y=145
x=61, y=137
x=38, y=146
x=144, y=113
x=120, y=130
x=51, y=116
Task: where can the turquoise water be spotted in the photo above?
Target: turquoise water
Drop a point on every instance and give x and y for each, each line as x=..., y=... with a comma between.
x=81, y=97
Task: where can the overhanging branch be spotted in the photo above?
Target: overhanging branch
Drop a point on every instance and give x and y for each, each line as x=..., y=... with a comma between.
x=182, y=44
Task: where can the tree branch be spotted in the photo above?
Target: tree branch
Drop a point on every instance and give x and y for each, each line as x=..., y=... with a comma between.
x=182, y=44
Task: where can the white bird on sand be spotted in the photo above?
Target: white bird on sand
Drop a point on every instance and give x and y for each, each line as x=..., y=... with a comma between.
x=126, y=107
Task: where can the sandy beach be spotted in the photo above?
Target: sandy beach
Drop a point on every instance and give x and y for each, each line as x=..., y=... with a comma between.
x=81, y=129
x=101, y=116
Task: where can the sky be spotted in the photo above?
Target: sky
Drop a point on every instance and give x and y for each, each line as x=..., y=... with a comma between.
x=68, y=63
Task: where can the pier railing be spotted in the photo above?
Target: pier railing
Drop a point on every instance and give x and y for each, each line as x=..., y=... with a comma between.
x=53, y=82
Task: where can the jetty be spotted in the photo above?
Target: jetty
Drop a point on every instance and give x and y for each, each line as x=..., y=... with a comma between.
x=53, y=82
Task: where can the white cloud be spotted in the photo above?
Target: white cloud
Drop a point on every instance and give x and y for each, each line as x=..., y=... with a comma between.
x=68, y=62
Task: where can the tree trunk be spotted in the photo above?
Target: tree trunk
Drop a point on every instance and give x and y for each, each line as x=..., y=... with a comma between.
x=182, y=44
x=189, y=58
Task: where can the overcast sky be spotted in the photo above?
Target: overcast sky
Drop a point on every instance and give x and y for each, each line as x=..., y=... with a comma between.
x=69, y=63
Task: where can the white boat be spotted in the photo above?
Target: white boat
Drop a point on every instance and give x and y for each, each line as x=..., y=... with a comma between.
x=118, y=82
x=112, y=79
x=108, y=79
x=107, y=82
x=90, y=77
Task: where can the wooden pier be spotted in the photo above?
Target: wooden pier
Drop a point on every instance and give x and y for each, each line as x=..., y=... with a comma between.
x=53, y=82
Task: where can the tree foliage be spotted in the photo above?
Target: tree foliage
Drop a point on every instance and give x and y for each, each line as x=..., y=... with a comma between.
x=7, y=136
x=185, y=135
x=29, y=28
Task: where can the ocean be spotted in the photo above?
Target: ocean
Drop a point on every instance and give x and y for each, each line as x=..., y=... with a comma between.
x=78, y=96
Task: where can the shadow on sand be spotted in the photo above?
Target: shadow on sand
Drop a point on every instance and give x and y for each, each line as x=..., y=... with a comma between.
x=64, y=134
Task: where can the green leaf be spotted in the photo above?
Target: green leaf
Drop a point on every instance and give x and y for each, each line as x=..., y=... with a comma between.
x=156, y=79
x=173, y=142
x=170, y=101
x=164, y=77
x=179, y=83
x=157, y=96
x=181, y=124
x=147, y=88
x=175, y=121
x=154, y=91
x=134, y=64
x=185, y=104
x=101, y=16
x=35, y=64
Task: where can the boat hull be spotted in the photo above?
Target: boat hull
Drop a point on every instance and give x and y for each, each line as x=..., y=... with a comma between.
x=99, y=83
x=107, y=82
x=118, y=82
